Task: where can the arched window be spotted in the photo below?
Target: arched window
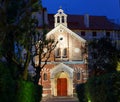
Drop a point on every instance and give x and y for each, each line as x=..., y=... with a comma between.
x=78, y=76
x=58, y=52
x=58, y=19
x=63, y=19
x=65, y=52
x=45, y=76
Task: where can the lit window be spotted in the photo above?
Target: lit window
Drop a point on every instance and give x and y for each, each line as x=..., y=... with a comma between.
x=45, y=76
x=78, y=76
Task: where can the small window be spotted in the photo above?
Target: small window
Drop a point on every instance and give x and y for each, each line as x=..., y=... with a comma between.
x=58, y=52
x=61, y=38
x=65, y=52
x=60, y=12
x=78, y=76
x=82, y=33
x=107, y=34
x=94, y=34
x=45, y=76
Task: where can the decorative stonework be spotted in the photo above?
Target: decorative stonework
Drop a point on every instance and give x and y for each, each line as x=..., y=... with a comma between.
x=61, y=67
x=63, y=71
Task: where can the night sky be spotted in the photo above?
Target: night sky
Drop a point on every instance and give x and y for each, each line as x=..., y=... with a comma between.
x=109, y=8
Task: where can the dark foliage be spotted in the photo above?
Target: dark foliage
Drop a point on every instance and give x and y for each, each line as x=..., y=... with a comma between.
x=80, y=90
x=28, y=92
x=104, y=88
x=104, y=57
x=7, y=84
x=15, y=23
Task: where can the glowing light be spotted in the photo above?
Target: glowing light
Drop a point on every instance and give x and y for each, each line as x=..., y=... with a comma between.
x=89, y=101
x=77, y=50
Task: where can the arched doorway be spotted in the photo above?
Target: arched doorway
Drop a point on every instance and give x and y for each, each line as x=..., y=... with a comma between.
x=62, y=80
x=62, y=84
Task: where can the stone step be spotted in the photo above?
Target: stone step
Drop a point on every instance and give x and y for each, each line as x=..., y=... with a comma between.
x=62, y=99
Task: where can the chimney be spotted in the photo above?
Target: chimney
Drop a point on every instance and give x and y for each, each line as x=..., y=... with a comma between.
x=86, y=20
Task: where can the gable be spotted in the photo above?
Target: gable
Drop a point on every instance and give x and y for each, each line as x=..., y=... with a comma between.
x=60, y=26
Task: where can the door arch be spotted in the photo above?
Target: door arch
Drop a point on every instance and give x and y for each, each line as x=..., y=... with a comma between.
x=61, y=71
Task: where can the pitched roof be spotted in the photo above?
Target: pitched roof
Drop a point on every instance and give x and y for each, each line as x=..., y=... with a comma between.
x=95, y=22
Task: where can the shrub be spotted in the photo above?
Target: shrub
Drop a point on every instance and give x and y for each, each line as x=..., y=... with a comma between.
x=7, y=84
x=104, y=88
x=80, y=90
x=28, y=92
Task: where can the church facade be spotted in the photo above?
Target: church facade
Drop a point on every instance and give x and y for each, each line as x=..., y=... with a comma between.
x=67, y=65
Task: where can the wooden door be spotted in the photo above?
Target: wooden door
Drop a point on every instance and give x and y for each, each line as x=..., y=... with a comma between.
x=61, y=87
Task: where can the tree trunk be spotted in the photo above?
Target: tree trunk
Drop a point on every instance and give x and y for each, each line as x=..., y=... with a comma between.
x=37, y=77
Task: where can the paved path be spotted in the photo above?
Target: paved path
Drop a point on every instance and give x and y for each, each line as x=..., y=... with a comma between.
x=62, y=99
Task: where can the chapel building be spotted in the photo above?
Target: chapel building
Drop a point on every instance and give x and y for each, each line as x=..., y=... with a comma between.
x=68, y=64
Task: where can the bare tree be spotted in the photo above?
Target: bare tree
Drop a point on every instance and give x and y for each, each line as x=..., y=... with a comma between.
x=20, y=39
x=43, y=48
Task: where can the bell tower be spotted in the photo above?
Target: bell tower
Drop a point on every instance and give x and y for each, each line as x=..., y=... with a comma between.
x=60, y=18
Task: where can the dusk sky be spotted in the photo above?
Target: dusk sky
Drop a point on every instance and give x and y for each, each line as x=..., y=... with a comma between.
x=109, y=8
